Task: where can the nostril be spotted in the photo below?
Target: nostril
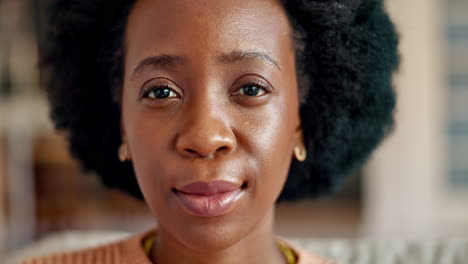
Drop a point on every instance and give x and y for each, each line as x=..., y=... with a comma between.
x=191, y=151
x=204, y=152
x=222, y=149
x=244, y=185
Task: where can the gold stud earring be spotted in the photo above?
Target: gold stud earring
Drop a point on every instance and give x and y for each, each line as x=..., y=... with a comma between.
x=123, y=153
x=300, y=152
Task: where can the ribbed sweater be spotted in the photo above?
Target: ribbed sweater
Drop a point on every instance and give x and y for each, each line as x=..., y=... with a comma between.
x=130, y=251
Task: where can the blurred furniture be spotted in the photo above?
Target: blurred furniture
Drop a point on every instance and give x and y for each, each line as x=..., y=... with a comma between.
x=22, y=121
x=21, y=118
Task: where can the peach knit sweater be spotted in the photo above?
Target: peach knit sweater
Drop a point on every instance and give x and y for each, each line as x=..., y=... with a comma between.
x=130, y=251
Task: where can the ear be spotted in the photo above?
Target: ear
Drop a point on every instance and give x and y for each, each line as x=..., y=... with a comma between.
x=300, y=150
x=124, y=141
x=298, y=137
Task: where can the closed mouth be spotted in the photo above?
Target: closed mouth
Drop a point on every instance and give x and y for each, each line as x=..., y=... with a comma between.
x=209, y=199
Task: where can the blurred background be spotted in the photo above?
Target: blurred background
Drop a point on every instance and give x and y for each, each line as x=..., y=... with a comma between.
x=414, y=187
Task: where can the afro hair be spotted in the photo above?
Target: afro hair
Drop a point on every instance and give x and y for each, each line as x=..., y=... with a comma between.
x=346, y=55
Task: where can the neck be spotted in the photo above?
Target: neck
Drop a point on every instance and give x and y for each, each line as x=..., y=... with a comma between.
x=258, y=246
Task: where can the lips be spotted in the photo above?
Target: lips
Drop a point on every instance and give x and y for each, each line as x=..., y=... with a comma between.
x=209, y=199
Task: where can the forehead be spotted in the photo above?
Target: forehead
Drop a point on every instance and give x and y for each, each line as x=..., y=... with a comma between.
x=210, y=26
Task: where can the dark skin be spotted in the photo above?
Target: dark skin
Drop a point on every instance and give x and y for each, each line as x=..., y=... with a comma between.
x=210, y=93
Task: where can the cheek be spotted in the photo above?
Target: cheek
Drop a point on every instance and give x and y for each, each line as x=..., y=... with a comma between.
x=149, y=142
x=272, y=141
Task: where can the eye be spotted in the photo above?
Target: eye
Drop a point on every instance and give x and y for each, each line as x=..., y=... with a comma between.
x=159, y=89
x=252, y=89
x=160, y=92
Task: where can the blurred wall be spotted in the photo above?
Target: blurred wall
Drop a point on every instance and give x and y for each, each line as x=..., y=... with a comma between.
x=408, y=194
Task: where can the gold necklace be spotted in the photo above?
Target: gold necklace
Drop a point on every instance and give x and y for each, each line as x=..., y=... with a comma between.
x=287, y=252
x=148, y=244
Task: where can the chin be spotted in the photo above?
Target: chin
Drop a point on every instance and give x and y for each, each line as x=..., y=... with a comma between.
x=211, y=235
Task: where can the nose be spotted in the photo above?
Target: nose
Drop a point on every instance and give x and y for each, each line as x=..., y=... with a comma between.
x=205, y=135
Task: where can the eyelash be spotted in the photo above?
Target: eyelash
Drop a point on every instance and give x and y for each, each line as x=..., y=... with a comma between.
x=260, y=85
x=154, y=87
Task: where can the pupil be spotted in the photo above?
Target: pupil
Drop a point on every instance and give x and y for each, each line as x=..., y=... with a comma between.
x=251, y=90
x=162, y=93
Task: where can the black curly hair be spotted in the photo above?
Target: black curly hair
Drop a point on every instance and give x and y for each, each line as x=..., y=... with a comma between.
x=346, y=56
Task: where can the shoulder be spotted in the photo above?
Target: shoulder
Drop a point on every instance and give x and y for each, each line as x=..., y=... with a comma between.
x=127, y=250
x=108, y=253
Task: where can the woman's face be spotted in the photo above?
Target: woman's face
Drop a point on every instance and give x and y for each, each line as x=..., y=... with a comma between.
x=210, y=114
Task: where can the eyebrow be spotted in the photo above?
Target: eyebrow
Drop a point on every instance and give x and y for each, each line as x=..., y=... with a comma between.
x=163, y=60
x=166, y=60
x=239, y=55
